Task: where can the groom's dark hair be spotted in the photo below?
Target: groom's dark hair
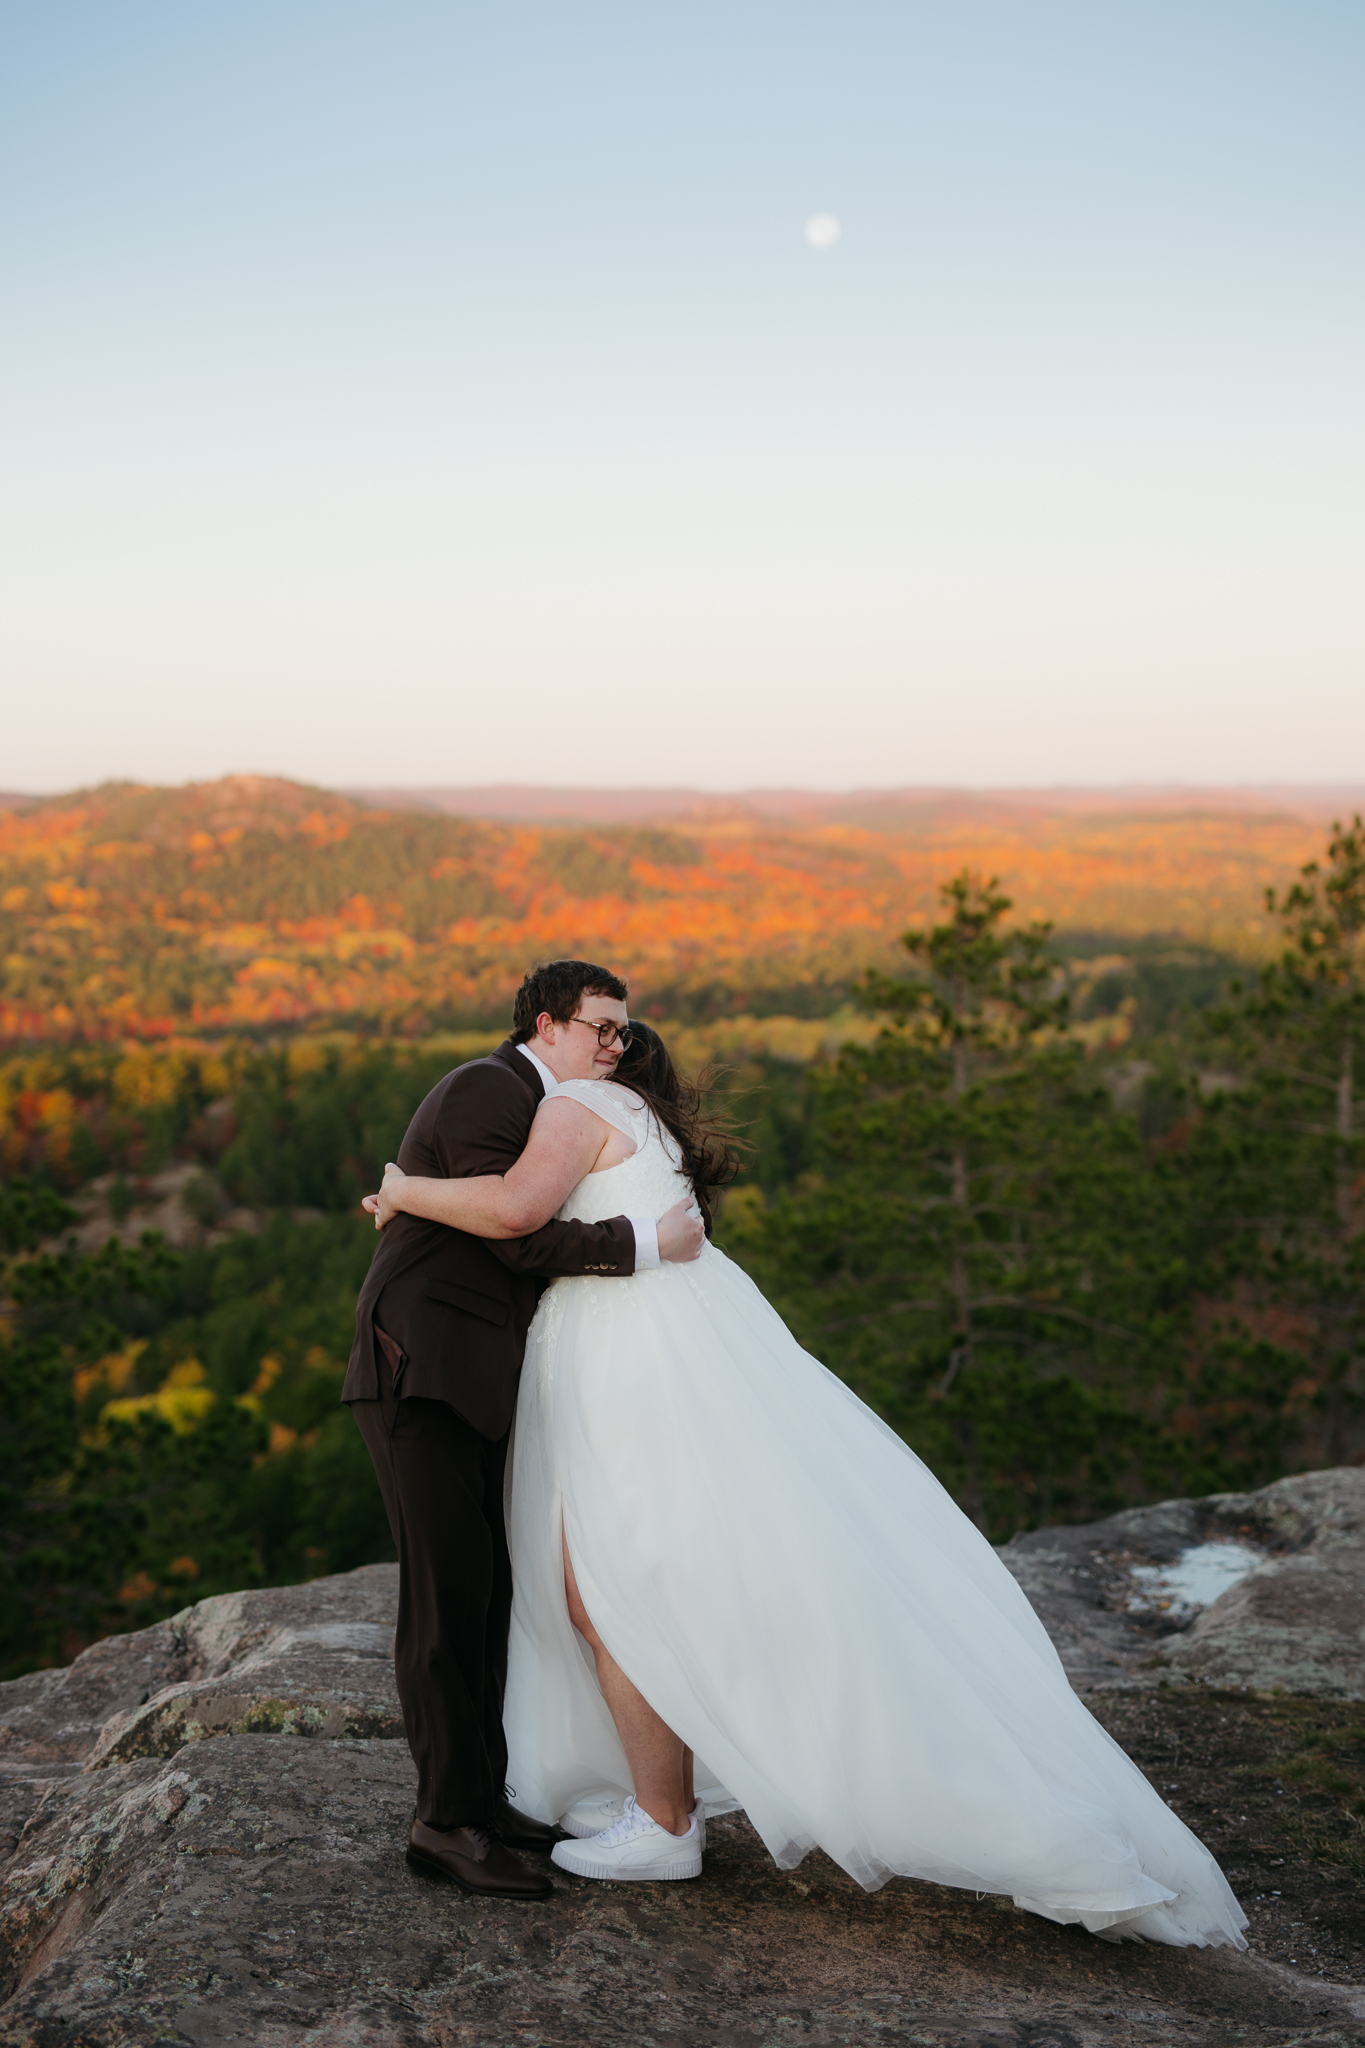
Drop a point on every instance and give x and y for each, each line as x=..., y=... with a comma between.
x=559, y=986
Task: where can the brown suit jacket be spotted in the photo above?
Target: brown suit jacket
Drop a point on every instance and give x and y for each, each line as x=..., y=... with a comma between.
x=460, y=1306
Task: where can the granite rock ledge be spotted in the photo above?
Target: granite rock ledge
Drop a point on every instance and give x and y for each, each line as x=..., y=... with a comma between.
x=201, y=1831
x=1294, y=1619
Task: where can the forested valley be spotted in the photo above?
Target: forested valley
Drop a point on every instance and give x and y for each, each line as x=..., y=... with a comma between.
x=1083, y=1224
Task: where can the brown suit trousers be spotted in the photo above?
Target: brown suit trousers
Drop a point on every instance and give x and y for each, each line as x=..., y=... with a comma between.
x=442, y=1485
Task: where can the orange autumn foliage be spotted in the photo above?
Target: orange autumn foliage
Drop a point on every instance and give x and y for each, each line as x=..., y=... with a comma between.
x=252, y=904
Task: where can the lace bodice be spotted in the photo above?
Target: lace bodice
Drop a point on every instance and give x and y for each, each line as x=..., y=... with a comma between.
x=646, y=1184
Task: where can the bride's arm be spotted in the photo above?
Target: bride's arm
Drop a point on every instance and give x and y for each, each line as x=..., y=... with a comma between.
x=564, y=1143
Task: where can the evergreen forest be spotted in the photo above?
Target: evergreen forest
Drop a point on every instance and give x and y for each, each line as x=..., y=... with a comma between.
x=1083, y=1225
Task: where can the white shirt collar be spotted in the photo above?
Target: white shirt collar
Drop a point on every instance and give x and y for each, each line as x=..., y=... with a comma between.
x=551, y=1085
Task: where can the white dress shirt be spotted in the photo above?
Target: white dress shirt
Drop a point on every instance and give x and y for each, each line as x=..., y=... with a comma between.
x=646, y=1228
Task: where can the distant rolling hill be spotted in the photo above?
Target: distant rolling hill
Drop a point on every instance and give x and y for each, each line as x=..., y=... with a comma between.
x=878, y=809
x=255, y=904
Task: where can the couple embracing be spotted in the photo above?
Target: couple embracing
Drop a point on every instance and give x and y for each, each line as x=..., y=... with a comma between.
x=697, y=1560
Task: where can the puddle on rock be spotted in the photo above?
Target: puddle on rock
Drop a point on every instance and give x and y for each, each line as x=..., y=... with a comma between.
x=1194, y=1581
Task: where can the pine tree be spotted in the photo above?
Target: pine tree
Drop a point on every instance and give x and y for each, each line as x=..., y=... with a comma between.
x=1276, y=1166
x=981, y=1252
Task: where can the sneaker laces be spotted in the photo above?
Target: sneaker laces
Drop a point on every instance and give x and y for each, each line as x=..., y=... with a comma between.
x=634, y=1821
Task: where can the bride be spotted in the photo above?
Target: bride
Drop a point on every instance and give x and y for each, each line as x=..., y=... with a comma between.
x=719, y=1550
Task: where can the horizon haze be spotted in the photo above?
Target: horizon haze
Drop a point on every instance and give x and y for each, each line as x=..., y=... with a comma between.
x=569, y=803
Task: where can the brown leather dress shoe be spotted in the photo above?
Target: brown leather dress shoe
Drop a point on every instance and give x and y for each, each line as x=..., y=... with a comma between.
x=475, y=1860
x=519, y=1831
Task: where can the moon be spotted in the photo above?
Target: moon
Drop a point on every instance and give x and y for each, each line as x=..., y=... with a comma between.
x=823, y=231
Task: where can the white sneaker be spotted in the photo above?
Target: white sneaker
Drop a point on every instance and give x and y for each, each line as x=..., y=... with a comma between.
x=633, y=1850
x=593, y=1816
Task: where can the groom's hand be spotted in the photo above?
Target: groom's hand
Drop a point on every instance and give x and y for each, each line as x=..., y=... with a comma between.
x=681, y=1233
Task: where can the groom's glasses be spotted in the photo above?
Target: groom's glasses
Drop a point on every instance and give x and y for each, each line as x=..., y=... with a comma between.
x=608, y=1034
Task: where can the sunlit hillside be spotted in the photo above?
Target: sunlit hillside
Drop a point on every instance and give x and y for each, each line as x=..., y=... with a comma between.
x=252, y=904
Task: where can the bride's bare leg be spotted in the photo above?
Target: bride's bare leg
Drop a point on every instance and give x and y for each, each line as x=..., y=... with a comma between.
x=658, y=1761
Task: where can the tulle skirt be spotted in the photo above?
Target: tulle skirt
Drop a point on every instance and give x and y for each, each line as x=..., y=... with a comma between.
x=797, y=1596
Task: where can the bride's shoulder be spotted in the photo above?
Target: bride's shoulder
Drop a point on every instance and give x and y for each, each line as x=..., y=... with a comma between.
x=597, y=1094
x=607, y=1099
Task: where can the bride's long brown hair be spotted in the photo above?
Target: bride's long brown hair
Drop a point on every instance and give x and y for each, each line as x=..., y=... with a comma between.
x=709, y=1155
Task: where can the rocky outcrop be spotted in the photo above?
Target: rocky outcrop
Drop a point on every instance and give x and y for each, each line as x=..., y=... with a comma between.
x=1139, y=1600
x=203, y=1825
x=185, y=1204
x=291, y=1660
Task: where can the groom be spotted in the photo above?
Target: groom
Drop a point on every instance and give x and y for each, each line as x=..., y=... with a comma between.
x=440, y=1334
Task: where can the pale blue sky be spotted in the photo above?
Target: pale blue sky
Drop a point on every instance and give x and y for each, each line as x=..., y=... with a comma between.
x=430, y=393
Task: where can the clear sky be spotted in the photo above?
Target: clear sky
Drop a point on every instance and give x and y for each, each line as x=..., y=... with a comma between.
x=445, y=393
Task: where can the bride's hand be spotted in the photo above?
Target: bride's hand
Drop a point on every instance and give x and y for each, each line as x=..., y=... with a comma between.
x=681, y=1233
x=388, y=1202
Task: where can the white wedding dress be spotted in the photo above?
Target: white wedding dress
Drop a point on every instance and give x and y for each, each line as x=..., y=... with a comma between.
x=797, y=1596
